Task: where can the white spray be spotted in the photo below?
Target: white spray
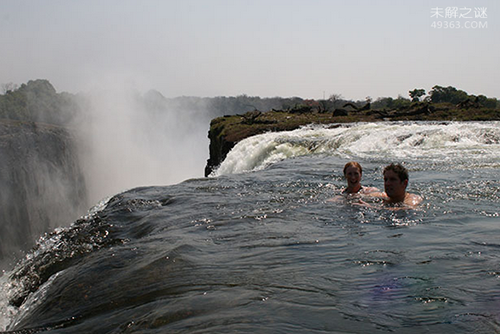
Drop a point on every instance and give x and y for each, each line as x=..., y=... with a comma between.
x=465, y=143
x=126, y=144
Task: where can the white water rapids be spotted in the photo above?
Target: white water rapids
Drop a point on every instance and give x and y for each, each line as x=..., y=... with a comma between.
x=454, y=142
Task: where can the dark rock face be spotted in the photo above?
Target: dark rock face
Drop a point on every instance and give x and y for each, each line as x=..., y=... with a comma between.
x=219, y=147
x=340, y=112
x=42, y=186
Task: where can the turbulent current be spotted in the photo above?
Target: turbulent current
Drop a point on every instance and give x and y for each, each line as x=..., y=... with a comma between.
x=259, y=248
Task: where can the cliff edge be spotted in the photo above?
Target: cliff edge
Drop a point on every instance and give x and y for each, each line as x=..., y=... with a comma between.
x=225, y=132
x=42, y=184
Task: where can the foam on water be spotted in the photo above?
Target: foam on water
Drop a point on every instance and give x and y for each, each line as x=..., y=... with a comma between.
x=7, y=311
x=457, y=143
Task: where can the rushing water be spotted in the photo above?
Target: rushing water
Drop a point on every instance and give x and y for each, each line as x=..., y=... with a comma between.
x=258, y=248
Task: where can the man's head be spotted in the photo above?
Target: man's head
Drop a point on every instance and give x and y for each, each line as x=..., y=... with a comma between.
x=395, y=181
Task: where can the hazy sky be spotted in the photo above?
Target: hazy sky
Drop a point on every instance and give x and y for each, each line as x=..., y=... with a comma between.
x=305, y=48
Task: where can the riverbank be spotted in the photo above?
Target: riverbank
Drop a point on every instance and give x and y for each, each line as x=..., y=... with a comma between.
x=226, y=131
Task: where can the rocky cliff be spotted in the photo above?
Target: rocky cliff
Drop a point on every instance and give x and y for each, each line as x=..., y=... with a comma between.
x=42, y=186
x=226, y=131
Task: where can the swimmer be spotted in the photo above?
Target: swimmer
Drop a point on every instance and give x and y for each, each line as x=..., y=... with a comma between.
x=395, y=183
x=353, y=173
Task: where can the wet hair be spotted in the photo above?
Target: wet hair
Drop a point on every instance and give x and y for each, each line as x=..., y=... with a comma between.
x=353, y=164
x=399, y=169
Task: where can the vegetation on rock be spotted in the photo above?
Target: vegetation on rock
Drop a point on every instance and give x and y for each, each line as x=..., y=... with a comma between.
x=442, y=104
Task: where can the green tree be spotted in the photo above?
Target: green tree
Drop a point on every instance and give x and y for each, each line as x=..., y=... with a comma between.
x=416, y=94
x=400, y=102
x=447, y=94
x=37, y=101
x=487, y=102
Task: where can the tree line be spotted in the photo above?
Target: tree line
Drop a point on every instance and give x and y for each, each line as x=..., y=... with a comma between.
x=38, y=101
x=438, y=94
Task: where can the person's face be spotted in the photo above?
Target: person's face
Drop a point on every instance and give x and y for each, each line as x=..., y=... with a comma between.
x=393, y=186
x=352, y=175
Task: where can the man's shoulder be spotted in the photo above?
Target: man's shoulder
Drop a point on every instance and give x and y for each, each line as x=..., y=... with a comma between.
x=413, y=199
x=379, y=193
x=369, y=190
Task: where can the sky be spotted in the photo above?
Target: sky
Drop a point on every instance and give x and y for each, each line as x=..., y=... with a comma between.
x=207, y=48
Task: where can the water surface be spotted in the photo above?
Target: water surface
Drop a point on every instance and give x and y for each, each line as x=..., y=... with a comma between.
x=259, y=248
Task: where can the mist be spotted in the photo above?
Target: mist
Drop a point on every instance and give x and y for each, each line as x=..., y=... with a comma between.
x=41, y=184
x=62, y=153
x=128, y=139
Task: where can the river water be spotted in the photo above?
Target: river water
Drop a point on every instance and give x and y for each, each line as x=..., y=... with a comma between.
x=258, y=248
